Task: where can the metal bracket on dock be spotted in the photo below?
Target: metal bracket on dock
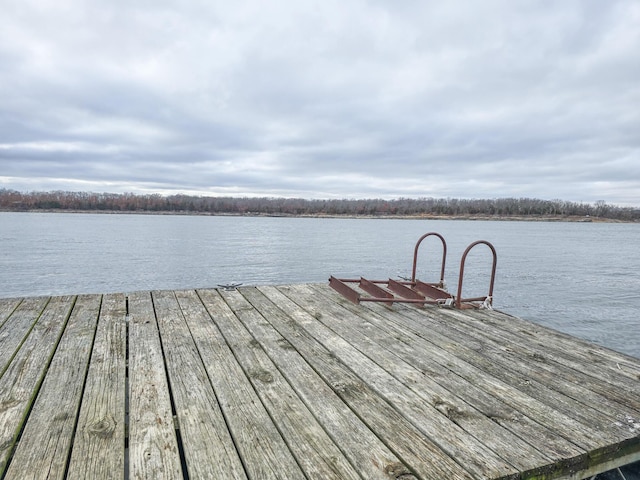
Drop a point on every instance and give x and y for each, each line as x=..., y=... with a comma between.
x=415, y=291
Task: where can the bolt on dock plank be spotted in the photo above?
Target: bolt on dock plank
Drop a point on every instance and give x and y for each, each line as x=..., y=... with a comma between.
x=296, y=381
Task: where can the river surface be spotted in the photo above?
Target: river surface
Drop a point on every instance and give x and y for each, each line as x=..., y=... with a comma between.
x=580, y=278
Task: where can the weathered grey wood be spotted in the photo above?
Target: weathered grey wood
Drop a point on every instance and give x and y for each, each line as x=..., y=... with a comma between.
x=297, y=382
x=153, y=446
x=620, y=433
x=612, y=365
x=21, y=380
x=611, y=370
x=507, y=386
x=408, y=442
x=458, y=350
x=17, y=327
x=601, y=430
x=7, y=306
x=526, y=457
x=417, y=352
x=98, y=447
x=370, y=456
x=602, y=467
x=421, y=410
x=599, y=399
x=262, y=448
x=46, y=441
x=313, y=449
x=209, y=449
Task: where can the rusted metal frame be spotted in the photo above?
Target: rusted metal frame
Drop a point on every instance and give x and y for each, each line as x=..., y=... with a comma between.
x=431, y=291
x=396, y=299
x=405, y=292
x=475, y=299
x=444, y=257
x=341, y=287
x=459, y=299
x=377, y=292
x=416, y=291
x=384, y=282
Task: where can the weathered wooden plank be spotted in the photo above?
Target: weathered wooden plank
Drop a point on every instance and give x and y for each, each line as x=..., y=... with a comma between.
x=262, y=449
x=418, y=353
x=15, y=329
x=342, y=390
x=432, y=325
x=153, y=446
x=411, y=444
x=208, y=447
x=612, y=365
x=606, y=367
x=313, y=449
x=369, y=340
x=548, y=366
x=21, y=380
x=613, y=411
x=420, y=410
x=370, y=456
x=98, y=447
x=620, y=436
x=46, y=441
x=609, y=466
x=469, y=363
x=7, y=306
x=604, y=430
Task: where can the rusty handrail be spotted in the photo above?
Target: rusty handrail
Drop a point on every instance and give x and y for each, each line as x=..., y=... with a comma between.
x=444, y=257
x=489, y=297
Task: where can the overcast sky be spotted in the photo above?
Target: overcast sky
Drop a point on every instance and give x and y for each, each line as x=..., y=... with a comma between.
x=323, y=99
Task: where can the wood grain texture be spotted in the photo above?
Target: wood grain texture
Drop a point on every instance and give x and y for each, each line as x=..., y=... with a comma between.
x=259, y=442
x=418, y=353
x=370, y=456
x=597, y=399
x=7, y=306
x=153, y=446
x=295, y=381
x=98, y=447
x=422, y=389
x=585, y=424
x=21, y=380
x=210, y=451
x=46, y=441
x=420, y=408
x=407, y=441
x=16, y=328
x=315, y=452
x=612, y=371
x=612, y=367
x=458, y=350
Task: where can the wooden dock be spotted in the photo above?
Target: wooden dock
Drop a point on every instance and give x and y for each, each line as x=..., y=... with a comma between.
x=294, y=382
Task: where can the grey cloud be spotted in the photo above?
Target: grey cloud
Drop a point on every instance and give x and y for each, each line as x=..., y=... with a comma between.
x=334, y=99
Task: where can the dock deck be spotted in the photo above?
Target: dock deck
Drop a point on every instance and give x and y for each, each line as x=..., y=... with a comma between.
x=296, y=382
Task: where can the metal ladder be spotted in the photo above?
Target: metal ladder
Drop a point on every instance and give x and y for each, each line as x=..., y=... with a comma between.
x=415, y=291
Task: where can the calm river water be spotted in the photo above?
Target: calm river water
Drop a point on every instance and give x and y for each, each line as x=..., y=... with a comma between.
x=580, y=278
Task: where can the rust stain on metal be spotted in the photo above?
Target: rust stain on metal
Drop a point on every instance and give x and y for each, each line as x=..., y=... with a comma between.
x=415, y=291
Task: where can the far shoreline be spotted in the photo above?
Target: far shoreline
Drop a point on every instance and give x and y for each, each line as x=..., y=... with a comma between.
x=425, y=216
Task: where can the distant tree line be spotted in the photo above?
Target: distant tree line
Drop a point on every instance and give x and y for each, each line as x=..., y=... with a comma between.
x=11, y=200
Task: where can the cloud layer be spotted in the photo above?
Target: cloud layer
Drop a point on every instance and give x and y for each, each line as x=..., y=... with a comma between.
x=323, y=99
